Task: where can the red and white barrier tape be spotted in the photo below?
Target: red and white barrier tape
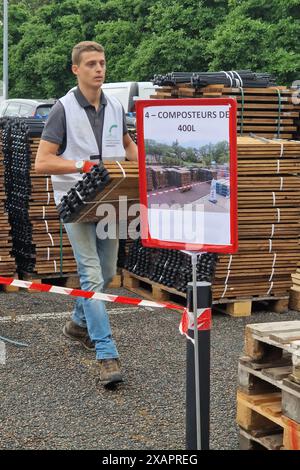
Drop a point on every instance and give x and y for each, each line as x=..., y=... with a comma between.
x=189, y=185
x=187, y=320
x=87, y=294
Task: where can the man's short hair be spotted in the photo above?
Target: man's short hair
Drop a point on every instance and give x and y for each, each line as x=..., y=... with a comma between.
x=84, y=46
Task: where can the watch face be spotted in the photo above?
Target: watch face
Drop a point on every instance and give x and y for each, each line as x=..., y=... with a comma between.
x=79, y=165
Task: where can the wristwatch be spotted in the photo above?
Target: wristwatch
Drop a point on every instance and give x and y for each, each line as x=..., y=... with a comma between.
x=79, y=165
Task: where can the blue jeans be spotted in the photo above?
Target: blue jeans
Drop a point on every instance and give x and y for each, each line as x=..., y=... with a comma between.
x=96, y=263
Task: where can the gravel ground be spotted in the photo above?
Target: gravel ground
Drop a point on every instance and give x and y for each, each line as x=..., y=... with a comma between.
x=49, y=396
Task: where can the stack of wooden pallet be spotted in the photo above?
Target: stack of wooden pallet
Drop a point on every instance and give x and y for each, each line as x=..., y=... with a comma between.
x=7, y=262
x=149, y=178
x=270, y=112
x=159, y=177
x=269, y=226
x=40, y=246
x=53, y=250
x=180, y=177
x=268, y=399
x=268, y=195
x=269, y=222
x=295, y=290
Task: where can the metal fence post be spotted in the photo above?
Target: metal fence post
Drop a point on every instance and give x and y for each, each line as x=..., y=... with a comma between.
x=198, y=394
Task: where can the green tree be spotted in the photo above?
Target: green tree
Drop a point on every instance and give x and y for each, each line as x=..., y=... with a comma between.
x=147, y=37
x=175, y=37
x=31, y=5
x=259, y=35
x=40, y=62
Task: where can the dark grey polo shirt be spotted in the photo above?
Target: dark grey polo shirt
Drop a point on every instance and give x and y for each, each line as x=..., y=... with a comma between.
x=55, y=129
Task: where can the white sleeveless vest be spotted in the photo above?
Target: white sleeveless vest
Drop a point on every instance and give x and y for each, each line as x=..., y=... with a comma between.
x=81, y=142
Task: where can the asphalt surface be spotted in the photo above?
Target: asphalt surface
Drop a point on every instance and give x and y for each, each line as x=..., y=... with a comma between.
x=49, y=395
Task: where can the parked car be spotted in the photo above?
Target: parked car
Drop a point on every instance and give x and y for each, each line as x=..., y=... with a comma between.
x=26, y=108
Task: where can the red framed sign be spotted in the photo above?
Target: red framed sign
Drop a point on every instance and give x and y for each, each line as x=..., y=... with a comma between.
x=188, y=173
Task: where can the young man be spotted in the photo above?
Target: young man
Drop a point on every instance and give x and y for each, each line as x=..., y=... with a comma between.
x=77, y=131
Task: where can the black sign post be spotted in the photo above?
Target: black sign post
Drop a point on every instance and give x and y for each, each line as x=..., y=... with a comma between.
x=199, y=301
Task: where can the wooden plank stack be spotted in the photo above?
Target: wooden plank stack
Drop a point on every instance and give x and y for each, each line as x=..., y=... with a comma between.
x=268, y=399
x=268, y=189
x=40, y=246
x=268, y=192
x=159, y=177
x=149, y=178
x=179, y=177
x=269, y=221
x=268, y=112
x=295, y=290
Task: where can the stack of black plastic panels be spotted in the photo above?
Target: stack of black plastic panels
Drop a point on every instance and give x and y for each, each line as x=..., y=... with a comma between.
x=240, y=78
x=171, y=268
x=17, y=165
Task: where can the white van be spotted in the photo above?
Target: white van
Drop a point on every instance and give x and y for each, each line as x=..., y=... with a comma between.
x=145, y=90
x=128, y=92
x=124, y=92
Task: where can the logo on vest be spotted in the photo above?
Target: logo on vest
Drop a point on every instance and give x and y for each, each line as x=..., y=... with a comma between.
x=113, y=131
x=111, y=138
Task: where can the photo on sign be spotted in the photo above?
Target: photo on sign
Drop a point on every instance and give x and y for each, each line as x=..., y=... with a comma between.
x=181, y=174
x=188, y=155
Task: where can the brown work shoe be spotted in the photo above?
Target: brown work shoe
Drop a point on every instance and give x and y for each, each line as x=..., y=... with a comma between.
x=110, y=373
x=79, y=334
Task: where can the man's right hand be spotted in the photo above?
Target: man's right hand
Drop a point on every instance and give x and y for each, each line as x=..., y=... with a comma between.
x=88, y=165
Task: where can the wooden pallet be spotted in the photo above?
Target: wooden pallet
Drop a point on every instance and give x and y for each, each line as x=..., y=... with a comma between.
x=260, y=440
x=9, y=289
x=269, y=383
x=71, y=281
x=294, y=303
x=152, y=290
x=244, y=307
x=267, y=340
x=295, y=290
x=273, y=376
x=234, y=307
x=262, y=414
x=268, y=399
